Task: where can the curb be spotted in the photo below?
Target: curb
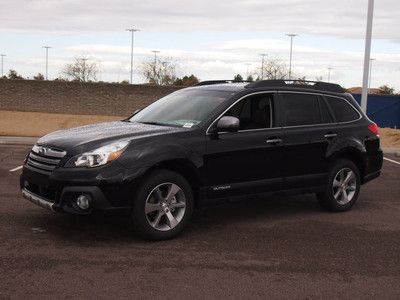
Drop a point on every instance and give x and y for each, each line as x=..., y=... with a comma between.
x=17, y=140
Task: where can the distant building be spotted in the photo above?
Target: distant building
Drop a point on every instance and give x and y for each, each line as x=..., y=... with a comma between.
x=358, y=90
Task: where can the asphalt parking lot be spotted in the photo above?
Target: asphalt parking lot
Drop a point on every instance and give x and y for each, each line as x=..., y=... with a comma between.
x=283, y=247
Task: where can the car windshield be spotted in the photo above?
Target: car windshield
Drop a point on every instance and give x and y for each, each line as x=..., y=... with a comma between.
x=183, y=108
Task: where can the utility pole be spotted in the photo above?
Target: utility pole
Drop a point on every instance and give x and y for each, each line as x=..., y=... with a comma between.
x=329, y=74
x=2, y=64
x=155, y=64
x=47, y=58
x=367, y=55
x=370, y=72
x=291, y=35
x=132, y=31
x=263, y=55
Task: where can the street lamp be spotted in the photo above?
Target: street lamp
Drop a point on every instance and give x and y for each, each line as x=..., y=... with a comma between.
x=155, y=63
x=132, y=31
x=2, y=64
x=329, y=74
x=370, y=72
x=247, y=70
x=263, y=55
x=47, y=58
x=291, y=35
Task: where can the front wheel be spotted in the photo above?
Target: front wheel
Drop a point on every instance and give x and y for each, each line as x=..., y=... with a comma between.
x=163, y=205
x=343, y=187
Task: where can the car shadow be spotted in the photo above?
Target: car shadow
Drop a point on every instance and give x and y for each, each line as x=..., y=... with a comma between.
x=103, y=228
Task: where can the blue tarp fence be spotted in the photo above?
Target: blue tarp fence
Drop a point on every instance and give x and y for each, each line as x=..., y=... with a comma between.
x=384, y=110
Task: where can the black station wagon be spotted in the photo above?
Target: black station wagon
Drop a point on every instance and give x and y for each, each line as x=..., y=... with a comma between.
x=214, y=141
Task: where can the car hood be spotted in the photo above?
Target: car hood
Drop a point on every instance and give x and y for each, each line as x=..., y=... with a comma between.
x=95, y=135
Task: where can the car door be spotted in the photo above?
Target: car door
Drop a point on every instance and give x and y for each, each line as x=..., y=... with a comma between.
x=249, y=160
x=308, y=132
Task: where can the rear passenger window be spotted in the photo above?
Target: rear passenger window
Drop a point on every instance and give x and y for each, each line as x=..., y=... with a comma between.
x=300, y=109
x=342, y=110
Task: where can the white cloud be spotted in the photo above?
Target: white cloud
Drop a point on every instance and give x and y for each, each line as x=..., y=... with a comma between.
x=342, y=18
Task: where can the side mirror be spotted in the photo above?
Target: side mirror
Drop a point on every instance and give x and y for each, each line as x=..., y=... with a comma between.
x=227, y=123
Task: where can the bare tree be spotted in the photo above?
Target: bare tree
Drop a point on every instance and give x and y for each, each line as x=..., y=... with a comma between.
x=159, y=72
x=273, y=69
x=81, y=69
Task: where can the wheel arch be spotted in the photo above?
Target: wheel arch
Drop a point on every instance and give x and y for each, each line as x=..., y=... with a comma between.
x=183, y=167
x=354, y=155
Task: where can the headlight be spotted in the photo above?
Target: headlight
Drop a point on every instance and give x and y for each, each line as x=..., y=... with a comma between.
x=100, y=156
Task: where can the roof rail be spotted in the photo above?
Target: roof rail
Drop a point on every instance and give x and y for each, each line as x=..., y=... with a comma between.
x=211, y=82
x=308, y=84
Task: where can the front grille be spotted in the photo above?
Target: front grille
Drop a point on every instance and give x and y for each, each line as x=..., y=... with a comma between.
x=44, y=159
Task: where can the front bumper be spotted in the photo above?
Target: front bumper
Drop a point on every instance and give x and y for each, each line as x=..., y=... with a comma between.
x=60, y=190
x=43, y=202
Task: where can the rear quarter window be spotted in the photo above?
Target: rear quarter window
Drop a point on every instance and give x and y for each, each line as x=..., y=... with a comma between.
x=342, y=109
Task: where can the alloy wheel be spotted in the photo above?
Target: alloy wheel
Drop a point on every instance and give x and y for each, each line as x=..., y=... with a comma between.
x=344, y=186
x=165, y=206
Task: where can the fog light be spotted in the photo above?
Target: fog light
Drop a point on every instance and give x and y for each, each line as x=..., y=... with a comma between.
x=83, y=202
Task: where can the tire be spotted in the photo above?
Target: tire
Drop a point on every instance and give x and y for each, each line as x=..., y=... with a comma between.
x=156, y=216
x=342, y=188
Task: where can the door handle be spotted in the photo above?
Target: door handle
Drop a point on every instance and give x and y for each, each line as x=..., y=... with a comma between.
x=274, y=141
x=330, y=135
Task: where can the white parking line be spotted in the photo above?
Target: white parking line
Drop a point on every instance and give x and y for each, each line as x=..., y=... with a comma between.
x=16, y=169
x=391, y=160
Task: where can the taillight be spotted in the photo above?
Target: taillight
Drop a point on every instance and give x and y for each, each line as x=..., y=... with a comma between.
x=374, y=128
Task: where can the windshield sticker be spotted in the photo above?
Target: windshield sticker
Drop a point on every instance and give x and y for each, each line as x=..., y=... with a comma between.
x=188, y=125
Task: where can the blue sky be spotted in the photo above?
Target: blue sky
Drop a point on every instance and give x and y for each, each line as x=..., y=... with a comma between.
x=211, y=40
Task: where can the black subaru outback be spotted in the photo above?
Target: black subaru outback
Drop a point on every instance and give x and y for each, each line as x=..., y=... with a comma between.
x=214, y=141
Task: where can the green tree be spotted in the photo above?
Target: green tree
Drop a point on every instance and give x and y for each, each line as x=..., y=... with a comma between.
x=386, y=90
x=250, y=78
x=38, y=76
x=186, y=80
x=12, y=74
x=237, y=78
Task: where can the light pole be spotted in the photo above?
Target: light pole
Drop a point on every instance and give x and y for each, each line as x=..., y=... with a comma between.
x=155, y=63
x=47, y=58
x=367, y=55
x=370, y=72
x=247, y=70
x=329, y=74
x=2, y=64
x=132, y=31
x=291, y=35
x=263, y=55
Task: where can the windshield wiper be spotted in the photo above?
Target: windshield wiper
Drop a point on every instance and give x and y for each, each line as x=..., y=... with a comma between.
x=155, y=123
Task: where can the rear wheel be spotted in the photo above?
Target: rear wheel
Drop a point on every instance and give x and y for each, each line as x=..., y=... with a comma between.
x=163, y=205
x=342, y=188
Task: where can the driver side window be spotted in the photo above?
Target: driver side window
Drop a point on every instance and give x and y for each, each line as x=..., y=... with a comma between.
x=253, y=112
